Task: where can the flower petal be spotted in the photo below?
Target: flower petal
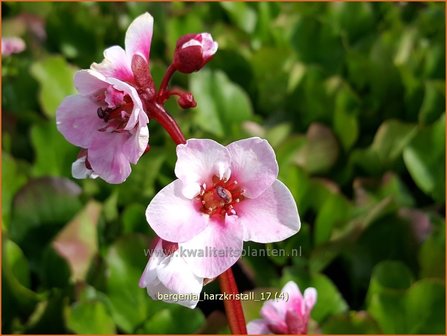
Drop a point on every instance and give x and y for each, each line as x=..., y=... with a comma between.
x=116, y=64
x=139, y=36
x=77, y=120
x=177, y=276
x=209, y=45
x=257, y=327
x=296, y=302
x=292, y=291
x=170, y=275
x=89, y=82
x=274, y=313
x=215, y=249
x=198, y=160
x=310, y=298
x=80, y=171
x=271, y=217
x=135, y=146
x=173, y=217
x=253, y=164
x=108, y=158
x=150, y=274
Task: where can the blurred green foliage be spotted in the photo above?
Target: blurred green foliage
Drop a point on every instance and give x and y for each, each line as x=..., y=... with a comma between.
x=350, y=95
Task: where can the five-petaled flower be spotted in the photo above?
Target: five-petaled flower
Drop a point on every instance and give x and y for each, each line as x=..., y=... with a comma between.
x=288, y=316
x=193, y=51
x=107, y=117
x=222, y=197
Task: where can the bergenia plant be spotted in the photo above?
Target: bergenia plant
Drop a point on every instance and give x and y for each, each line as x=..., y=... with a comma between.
x=224, y=195
x=288, y=315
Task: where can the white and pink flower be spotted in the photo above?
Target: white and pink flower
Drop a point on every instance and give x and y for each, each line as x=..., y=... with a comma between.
x=285, y=316
x=222, y=197
x=107, y=116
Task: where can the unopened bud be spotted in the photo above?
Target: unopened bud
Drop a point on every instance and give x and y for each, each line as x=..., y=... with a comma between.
x=186, y=101
x=193, y=51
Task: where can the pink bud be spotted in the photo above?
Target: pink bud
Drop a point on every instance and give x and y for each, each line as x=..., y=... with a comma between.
x=193, y=51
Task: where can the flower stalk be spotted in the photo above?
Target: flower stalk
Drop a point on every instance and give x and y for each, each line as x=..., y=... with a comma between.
x=233, y=308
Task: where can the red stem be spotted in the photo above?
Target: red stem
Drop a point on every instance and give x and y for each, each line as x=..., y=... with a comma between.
x=233, y=308
x=157, y=112
x=164, y=83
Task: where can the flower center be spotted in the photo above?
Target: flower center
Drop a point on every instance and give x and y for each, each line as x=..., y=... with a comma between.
x=116, y=117
x=220, y=198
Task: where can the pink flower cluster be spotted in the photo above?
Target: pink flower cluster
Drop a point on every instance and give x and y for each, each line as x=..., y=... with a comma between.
x=108, y=117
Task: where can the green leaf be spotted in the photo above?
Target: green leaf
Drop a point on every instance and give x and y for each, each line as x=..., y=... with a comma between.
x=389, y=282
x=391, y=139
x=54, y=160
x=54, y=270
x=241, y=14
x=221, y=105
x=43, y=205
x=320, y=152
x=353, y=19
x=424, y=158
x=336, y=211
x=347, y=105
x=90, y=315
x=425, y=307
x=402, y=307
x=48, y=315
x=351, y=323
x=55, y=77
x=13, y=178
x=173, y=319
x=433, y=104
x=140, y=185
x=432, y=253
x=134, y=220
x=16, y=282
x=312, y=39
x=126, y=261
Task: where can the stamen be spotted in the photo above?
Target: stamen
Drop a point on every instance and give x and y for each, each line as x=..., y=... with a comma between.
x=218, y=199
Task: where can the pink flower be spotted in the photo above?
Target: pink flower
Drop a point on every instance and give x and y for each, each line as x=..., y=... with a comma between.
x=193, y=51
x=12, y=45
x=169, y=278
x=222, y=197
x=285, y=316
x=107, y=116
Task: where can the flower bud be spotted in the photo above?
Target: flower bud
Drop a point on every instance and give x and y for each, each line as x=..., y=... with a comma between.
x=187, y=101
x=193, y=51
